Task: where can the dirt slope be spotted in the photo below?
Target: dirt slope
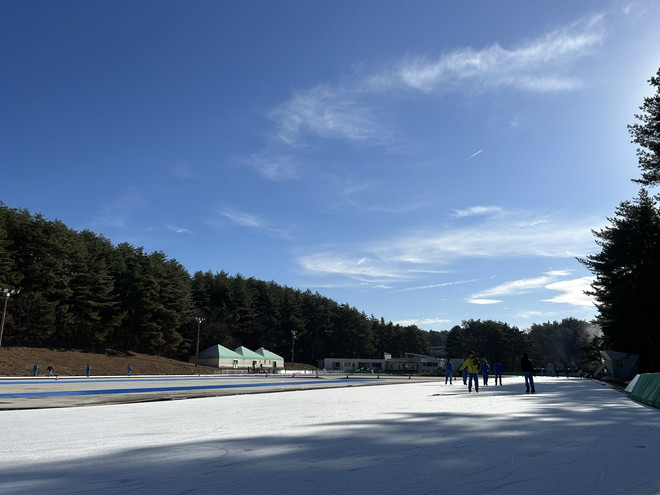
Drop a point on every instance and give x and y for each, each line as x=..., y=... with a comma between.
x=18, y=361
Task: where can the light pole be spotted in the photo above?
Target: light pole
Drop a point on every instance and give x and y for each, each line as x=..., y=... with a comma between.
x=199, y=320
x=6, y=293
x=293, y=345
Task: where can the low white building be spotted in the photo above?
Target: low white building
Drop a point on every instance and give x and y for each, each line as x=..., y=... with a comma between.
x=617, y=365
x=219, y=356
x=270, y=359
x=412, y=363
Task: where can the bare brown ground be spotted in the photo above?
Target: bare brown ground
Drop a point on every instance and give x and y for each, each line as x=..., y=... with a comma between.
x=18, y=361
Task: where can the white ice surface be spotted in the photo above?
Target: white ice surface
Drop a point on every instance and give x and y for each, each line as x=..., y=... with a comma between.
x=573, y=437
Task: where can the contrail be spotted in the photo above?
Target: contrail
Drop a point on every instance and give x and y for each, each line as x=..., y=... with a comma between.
x=474, y=154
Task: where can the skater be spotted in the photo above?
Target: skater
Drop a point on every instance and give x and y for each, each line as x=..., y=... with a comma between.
x=485, y=369
x=465, y=376
x=88, y=370
x=449, y=369
x=497, y=369
x=35, y=369
x=50, y=370
x=528, y=372
x=129, y=370
x=471, y=364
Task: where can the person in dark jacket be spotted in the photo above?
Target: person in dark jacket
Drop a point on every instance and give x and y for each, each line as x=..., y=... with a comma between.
x=528, y=372
x=449, y=370
x=497, y=370
x=485, y=370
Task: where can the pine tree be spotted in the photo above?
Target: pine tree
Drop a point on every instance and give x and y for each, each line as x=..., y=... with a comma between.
x=627, y=271
x=646, y=134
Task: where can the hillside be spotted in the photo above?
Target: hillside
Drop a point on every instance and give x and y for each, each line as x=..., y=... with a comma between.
x=18, y=361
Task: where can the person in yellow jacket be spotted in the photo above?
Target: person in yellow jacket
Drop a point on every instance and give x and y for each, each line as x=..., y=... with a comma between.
x=472, y=365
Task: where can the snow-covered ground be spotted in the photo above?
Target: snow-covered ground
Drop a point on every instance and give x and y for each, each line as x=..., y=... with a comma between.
x=572, y=437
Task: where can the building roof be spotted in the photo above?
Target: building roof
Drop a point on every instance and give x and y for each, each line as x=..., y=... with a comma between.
x=268, y=355
x=247, y=353
x=219, y=351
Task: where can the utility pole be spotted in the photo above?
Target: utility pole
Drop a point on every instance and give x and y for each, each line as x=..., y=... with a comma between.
x=293, y=345
x=199, y=320
x=6, y=293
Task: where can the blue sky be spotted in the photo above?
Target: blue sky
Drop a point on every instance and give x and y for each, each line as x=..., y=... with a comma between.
x=426, y=162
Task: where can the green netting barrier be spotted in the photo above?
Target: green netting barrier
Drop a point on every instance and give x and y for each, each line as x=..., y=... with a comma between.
x=647, y=389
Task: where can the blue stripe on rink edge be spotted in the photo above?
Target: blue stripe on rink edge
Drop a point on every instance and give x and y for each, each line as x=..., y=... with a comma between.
x=62, y=393
x=65, y=380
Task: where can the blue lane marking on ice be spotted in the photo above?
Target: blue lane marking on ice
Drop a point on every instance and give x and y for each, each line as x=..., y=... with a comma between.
x=31, y=395
x=64, y=380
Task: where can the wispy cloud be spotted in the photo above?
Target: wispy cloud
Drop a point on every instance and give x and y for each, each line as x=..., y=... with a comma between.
x=435, y=286
x=484, y=301
x=178, y=230
x=572, y=292
x=355, y=110
x=116, y=212
x=275, y=166
x=477, y=210
x=516, y=287
x=242, y=218
x=503, y=235
x=329, y=112
x=475, y=154
x=248, y=220
x=536, y=66
x=365, y=269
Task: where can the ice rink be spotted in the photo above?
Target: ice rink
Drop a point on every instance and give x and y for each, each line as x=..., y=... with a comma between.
x=419, y=437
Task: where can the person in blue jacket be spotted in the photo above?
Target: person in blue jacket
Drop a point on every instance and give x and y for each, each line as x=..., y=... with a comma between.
x=35, y=369
x=485, y=369
x=497, y=369
x=449, y=369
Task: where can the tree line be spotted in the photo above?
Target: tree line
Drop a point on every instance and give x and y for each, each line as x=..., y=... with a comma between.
x=565, y=344
x=80, y=291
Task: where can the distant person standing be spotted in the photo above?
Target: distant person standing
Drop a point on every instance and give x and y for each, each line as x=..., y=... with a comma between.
x=50, y=370
x=88, y=370
x=471, y=364
x=528, y=372
x=35, y=369
x=497, y=370
x=485, y=370
x=449, y=370
x=129, y=370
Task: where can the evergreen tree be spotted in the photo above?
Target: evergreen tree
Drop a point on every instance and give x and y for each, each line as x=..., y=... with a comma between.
x=560, y=344
x=646, y=134
x=490, y=340
x=627, y=273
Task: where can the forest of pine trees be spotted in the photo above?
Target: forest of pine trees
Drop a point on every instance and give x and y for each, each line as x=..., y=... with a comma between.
x=79, y=291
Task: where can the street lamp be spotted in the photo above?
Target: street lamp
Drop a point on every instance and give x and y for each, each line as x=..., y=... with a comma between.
x=293, y=345
x=199, y=320
x=6, y=293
